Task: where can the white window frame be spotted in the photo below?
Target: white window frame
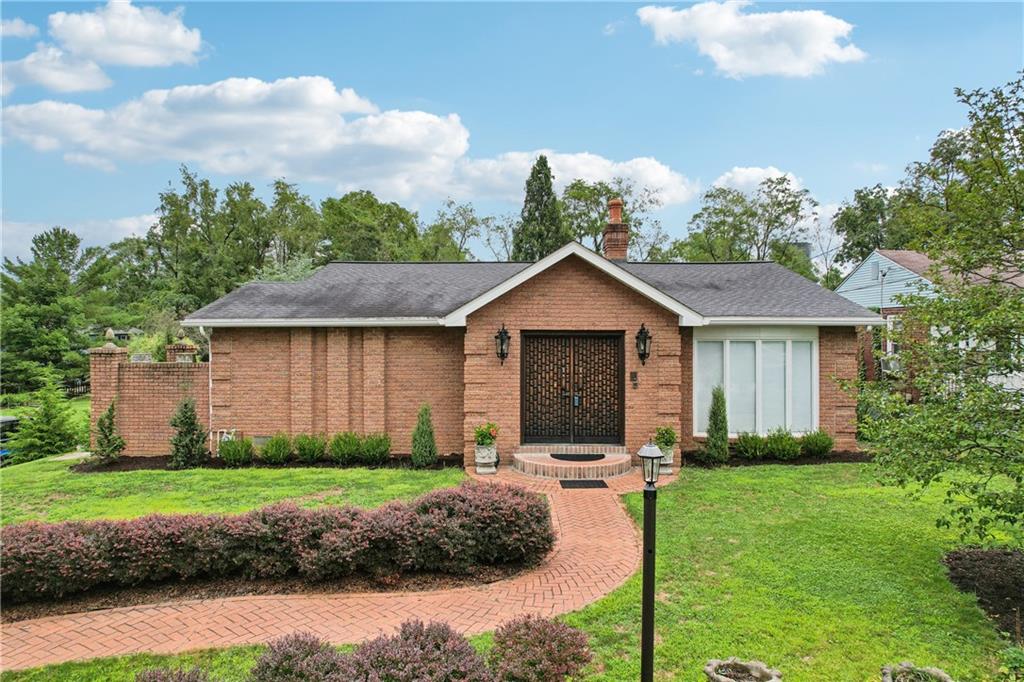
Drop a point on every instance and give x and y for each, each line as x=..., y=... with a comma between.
x=892, y=323
x=788, y=334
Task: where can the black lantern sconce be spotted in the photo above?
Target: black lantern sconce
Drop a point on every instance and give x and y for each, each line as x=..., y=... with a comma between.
x=502, y=341
x=643, y=344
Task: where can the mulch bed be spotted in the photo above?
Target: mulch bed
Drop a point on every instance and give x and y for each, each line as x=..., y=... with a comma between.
x=838, y=456
x=162, y=462
x=996, y=577
x=236, y=587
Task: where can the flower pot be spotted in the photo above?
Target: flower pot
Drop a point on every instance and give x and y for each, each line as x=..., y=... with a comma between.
x=486, y=459
x=666, y=459
x=735, y=670
x=907, y=672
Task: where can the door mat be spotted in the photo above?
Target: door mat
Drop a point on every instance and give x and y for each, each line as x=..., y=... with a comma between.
x=568, y=457
x=583, y=484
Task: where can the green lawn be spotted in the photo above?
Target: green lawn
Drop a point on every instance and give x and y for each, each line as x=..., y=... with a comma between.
x=46, y=490
x=816, y=570
x=79, y=409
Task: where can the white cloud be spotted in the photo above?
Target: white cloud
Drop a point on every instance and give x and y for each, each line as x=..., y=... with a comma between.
x=796, y=43
x=307, y=129
x=54, y=69
x=747, y=178
x=120, y=33
x=17, y=28
x=611, y=28
x=96, y=162
x=17, y=236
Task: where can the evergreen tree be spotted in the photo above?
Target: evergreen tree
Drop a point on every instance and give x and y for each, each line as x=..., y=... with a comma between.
x=109, y=444
x=188, y=445
x=541, y=229
x=716, y=449
x=424, y=445
x=47, y=430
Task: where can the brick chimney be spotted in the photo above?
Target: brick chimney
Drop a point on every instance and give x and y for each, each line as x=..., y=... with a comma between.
x=616, y=232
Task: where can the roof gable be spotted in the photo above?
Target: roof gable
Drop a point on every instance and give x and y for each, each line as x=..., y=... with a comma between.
x=687, y=316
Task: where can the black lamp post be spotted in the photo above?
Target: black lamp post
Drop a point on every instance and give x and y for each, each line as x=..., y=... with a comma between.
x=643, y=344
x=650, y=458
x=501, y=343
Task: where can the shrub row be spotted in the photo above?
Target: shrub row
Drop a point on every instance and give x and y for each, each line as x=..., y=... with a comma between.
x=344, y=448
x=782, y=445
x=450, y=531
x=527, y=649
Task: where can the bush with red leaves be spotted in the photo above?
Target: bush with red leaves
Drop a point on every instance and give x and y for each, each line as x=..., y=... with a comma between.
x=168, y=675
x=533, y=649
x=299, y=657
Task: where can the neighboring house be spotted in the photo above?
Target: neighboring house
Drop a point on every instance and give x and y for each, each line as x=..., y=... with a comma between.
x=551, y=351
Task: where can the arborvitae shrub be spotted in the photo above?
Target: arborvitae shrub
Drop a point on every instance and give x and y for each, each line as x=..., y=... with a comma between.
x=716, y=448
x=188, y=445
x=424, y=445
x=109, y=444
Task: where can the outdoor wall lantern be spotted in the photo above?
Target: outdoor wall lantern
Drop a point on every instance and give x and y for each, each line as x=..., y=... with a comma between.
x=643, y=344
x=650, y=459
x=501, y=343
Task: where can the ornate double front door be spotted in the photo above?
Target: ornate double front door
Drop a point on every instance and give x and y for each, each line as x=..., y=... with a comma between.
x=573, y=388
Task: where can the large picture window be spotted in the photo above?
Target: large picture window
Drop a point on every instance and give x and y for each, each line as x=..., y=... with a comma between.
x=768, y=374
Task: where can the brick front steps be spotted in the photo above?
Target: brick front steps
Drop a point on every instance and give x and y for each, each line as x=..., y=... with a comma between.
x=536, y=460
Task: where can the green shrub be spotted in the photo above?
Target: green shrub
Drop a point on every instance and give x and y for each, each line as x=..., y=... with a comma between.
x=109, y=444
x=345, y=448
x=716, y=448
x=46, y=430
x=277, y=450
x=665, y=437
x=816, y=444
x=424, y=445
x=375, y=448
x=486, y=434
x=310, y=449
x=188, y=445
x=781, y=444
x=750, y=446
x=237, y=453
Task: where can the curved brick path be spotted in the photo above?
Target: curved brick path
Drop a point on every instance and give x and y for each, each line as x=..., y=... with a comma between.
x=597, y=549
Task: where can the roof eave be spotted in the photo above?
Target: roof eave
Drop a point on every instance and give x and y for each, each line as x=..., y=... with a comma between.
x=314, y=322
x=740, y=320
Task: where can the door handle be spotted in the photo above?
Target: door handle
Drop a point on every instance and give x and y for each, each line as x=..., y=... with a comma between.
x=577, y=399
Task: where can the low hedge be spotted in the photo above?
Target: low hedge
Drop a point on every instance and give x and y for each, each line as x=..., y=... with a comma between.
x=449, y=531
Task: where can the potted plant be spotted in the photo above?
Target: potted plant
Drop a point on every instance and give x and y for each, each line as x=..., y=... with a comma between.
x=665, y=438
x=735, y=670
x=486, y=450
x=908, y=672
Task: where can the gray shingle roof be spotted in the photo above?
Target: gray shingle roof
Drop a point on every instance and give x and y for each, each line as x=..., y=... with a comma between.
x=362, y=290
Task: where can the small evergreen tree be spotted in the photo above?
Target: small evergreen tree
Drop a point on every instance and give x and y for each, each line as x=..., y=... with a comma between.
x=424, y=445
x=47, y=430
x=541, y=229
x=188, y=445
x=109, y=444
x=716, y=449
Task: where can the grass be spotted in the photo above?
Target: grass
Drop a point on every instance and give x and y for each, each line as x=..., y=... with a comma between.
x=79, y=409
x=46, y=490
x=816, y=570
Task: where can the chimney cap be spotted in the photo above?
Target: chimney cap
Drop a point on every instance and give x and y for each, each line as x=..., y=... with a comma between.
x=615, y=201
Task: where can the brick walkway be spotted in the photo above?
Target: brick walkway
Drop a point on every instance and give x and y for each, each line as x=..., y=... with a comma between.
x=597, y=550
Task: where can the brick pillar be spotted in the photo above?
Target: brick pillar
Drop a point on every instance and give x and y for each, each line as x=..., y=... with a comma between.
x=838, y=351
x=374, y=402
x=104, y=372
x=300, y=359
x=338, y=409
x=686, y=441
x=175, y=349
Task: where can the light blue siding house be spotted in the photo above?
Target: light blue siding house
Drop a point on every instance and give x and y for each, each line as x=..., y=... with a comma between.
x=884, y=276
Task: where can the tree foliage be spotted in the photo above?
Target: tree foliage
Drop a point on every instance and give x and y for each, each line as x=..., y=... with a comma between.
x=48, y=429
x=962, y=351
x=188, y=444
x=872, y=220
x=424, y=444
x=584, y=207
x=541, y=229
x=109, y=443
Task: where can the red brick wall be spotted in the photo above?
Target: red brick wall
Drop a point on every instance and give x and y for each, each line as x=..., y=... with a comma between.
x=571, y=295
x=147, y=393
x=837, y=359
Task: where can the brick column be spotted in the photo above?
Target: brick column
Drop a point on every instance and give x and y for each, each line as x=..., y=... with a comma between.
x=104, y=372
x=838, y=351
x=374, y=401
x=338, y=409
x=300, y=358
x=175, y=349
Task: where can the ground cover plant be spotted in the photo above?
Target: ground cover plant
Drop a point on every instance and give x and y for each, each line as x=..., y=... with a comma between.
x=47, y=490
x=450, y=531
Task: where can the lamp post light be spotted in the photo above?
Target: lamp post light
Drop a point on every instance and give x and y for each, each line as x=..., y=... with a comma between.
x=650, y=459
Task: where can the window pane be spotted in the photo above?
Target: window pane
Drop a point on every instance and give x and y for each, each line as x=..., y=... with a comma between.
x=773, y=388
x=742, y=395
x=709, y=375
x=802, y=393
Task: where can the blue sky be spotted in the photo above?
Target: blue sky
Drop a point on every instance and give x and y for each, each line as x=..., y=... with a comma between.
x=455, y=99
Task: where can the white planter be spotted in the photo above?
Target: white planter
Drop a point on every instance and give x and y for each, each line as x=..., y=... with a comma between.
x=486, y=459
x=666, y=459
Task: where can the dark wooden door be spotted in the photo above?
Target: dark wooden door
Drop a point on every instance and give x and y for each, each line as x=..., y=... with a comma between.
x=573, y=388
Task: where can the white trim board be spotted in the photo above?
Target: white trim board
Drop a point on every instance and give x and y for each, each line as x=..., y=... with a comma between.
x=687, y=317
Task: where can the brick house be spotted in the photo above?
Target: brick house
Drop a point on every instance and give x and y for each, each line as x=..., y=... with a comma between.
x=360, y=346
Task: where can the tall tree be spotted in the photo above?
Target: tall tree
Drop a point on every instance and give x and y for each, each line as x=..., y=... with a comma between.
x=499, y=234
x=541, y=229
x=782, y=212
x=722, y=230
x=296, y=225
x=358, y=226
x=963, y=348
x=584, y=207
x=870, y=221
